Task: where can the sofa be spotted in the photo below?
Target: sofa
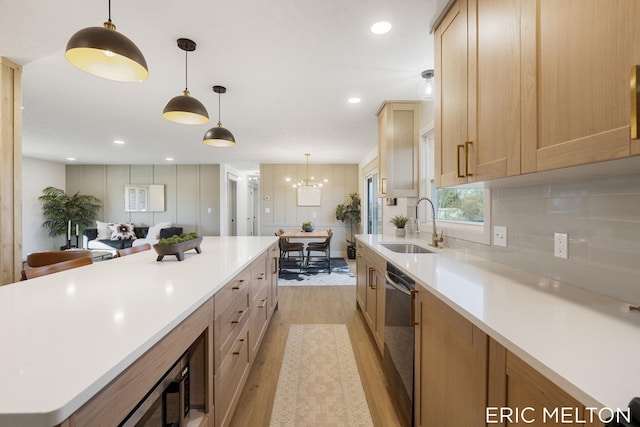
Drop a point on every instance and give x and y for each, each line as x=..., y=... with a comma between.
x=90, y=239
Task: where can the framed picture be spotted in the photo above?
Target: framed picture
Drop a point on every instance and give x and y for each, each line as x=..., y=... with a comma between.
x=144, y=198
x=309, y=196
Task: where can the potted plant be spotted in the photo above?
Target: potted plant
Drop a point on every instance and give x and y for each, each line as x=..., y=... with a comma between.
x=177, y=245
x=350, y=211
x=62, y=211
x=307, y=226
x=400, y=222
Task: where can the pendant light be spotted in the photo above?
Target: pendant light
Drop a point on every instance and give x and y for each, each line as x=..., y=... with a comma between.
x=425, y=89
x=184, y=108
x=219, y=136
x=104, y=52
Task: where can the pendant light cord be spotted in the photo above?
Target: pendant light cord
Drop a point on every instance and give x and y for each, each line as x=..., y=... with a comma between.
x=186, y=74
x=219, y=122
x=109, y=11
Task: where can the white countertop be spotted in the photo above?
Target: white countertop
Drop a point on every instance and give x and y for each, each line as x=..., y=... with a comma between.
x=586, y=343
x=65, y=336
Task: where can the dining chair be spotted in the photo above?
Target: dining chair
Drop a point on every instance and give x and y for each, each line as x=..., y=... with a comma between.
x=40, y=259
x=286, y=248
x=324, y=247
x=30, y=273
x=133, y=250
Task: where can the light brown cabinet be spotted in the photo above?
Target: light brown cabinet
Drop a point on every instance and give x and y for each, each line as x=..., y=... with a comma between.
x=398, y=142
x=515, y=384
x=370, y=291
x=532, y=85
x=451, y=374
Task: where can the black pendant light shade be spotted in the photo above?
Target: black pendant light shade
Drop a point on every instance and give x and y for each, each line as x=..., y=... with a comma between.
x=104, y=52
x=184, y=108
x=219, y=136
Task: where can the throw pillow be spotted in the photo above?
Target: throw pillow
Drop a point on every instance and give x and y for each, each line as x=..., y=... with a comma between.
x=154, y=231
x=104, y=231
x=122, y=232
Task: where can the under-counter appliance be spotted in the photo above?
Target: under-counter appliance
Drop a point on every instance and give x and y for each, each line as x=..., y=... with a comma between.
x=399, y=335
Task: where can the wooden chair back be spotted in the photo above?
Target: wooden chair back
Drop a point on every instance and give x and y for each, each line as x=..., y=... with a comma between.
x=40, y=259
x=30, y=273
x=134, y=249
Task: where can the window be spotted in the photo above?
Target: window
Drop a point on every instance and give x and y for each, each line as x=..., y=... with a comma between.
x=463, y=213
x=374, y=207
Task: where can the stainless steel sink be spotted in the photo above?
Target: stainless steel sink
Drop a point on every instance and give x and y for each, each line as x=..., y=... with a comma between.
x=406, y=248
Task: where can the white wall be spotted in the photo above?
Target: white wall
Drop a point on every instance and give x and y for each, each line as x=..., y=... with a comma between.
x=36, y=175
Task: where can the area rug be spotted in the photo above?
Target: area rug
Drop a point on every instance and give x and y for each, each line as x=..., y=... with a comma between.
x=341, y=274
x=319, y=384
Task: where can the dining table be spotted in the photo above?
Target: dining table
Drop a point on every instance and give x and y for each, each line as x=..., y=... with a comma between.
x=300, y=234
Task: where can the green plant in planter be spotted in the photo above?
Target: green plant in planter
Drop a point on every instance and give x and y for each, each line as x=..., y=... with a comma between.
x=399, y=221
x=350, y=211
x=59, y=208
x=307, y=226
x=184, y=237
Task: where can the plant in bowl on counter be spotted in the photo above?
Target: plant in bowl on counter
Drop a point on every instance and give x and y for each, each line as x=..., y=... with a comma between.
x=307, y=226
x=184, y=237
x=177, y=245
x=400, y=222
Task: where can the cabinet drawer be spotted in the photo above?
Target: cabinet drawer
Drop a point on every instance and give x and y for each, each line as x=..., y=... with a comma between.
x=237, y=285
x=229, y=380
x=259, y=318
x=229, y=324
x=258, y=276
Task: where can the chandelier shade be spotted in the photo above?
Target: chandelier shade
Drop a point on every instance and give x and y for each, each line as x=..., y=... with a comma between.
x=106, y=53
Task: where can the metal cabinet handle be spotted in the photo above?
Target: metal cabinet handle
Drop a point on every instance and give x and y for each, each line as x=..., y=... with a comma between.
x=236, y=287
x=263, y=303
x=466, y=158
x=371, y=281
x=415, y=311
x=383, y=186
x=635, y=101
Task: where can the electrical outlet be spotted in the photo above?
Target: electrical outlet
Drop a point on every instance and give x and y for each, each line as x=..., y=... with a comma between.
x=499, y=236
x=561, y=245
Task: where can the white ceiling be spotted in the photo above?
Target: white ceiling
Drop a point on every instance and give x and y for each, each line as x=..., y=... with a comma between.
x=288, y=65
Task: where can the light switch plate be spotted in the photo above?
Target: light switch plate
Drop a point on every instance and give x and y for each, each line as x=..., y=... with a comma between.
x=499, y=236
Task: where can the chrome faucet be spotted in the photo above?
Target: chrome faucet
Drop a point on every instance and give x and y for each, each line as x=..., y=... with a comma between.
x=435, y=239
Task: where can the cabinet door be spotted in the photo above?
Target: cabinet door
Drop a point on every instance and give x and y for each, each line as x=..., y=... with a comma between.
x=272, y=275
x=371, y=304
x=515, y=384
x=451, y=120
x=494, y=88
x=453, y=367
x=380, y=283
x=585, y=52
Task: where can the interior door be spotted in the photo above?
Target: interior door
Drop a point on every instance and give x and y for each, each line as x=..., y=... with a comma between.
x=232, y=206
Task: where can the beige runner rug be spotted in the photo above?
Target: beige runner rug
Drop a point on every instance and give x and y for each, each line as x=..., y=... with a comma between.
x=319, y=384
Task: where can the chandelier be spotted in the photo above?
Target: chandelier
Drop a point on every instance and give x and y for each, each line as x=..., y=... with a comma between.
x=308, y=181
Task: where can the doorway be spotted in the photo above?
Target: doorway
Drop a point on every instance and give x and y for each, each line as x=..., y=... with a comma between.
x=232, y=205
x=373, y=205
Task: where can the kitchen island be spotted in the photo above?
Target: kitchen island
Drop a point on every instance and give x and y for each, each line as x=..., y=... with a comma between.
x=584, y=343
x=67, y=336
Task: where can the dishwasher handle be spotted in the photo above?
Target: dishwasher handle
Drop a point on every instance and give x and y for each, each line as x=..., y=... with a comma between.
x=393, y=281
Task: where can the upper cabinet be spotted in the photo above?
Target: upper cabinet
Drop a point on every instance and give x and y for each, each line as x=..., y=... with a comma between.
x=398, y=125
x=532, y=85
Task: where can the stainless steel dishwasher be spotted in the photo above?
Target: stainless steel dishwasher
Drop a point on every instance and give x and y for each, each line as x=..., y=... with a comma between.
x=399, y=335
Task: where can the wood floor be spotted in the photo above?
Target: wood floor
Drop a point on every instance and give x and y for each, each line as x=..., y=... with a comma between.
x=314, y=304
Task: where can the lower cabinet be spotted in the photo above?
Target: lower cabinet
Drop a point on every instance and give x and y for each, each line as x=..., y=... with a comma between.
x=465, y=378
x=370, y=291
x=514, y=384
x=243, y=310
x=451, y=359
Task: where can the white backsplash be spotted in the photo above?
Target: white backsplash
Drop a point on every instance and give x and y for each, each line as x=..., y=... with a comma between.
x=601, y=217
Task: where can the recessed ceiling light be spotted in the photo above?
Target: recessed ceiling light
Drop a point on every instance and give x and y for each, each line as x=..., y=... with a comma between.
x=169, y=159
x=71, y=159
x=353, y=100
x=118, y=141
x=381, y=27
